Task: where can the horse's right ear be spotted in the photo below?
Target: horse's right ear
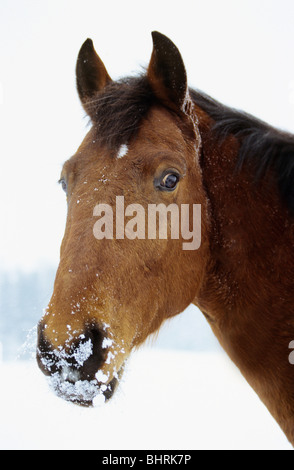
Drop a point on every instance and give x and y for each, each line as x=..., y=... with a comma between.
x=167, y=74
x=91, y=74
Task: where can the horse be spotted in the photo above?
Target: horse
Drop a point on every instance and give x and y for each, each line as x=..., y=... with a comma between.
x=154, y=141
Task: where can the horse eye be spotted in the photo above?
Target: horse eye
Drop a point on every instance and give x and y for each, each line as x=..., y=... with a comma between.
x=63, y=184
x=169, y=181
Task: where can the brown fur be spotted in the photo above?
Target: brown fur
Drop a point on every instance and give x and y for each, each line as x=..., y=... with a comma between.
x=248, y=290
x=242, y=275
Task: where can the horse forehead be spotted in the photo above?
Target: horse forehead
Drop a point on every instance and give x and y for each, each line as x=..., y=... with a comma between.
x=158, y=130
x=159, y=123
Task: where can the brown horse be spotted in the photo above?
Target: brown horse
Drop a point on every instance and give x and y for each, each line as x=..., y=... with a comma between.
x=154, y=141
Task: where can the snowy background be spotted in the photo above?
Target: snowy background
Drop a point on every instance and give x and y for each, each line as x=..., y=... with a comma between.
x=182, y=391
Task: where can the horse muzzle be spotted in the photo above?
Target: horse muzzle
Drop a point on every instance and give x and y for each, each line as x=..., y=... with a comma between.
x=75, y=370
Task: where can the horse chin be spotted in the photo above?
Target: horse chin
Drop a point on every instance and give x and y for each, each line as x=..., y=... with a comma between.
x=83, y=392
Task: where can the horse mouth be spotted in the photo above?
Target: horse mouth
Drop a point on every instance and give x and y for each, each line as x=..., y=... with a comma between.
x=83, y=392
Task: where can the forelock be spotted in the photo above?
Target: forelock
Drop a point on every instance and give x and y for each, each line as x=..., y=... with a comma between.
x=117, y=111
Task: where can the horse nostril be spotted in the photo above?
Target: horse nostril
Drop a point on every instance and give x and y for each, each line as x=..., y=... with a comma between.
x=80, y=360
x=45, y=354
x=94, y=338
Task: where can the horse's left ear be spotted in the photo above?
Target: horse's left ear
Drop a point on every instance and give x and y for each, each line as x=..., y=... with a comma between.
x=166, y=73
x=91, y=74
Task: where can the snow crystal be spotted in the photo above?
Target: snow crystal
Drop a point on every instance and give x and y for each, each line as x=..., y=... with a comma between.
x=105, y=326
x=82, y=390
x=69, y=374
x=110, y=356
x=98, y=400
x=103, y=179
x=101, y=377
x=29, y=346
x=83, y=352
x=107, y=343
x=123, y=150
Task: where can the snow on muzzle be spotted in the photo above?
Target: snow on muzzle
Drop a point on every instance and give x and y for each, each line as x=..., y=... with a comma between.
x=75, y=372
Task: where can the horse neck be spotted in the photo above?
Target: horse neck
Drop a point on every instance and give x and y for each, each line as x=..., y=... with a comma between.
x=248, y=295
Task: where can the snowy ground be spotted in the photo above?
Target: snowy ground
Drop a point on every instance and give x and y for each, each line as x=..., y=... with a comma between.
x=168, y=400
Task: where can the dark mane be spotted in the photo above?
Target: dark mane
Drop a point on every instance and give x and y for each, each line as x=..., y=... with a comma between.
x=121, y=106
x=262, y=144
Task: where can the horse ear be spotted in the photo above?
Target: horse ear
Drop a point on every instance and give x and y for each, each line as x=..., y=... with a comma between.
x=91, y=74
x=166, y=72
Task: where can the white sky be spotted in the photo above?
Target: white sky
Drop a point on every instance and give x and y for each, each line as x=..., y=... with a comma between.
x=240, y=52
